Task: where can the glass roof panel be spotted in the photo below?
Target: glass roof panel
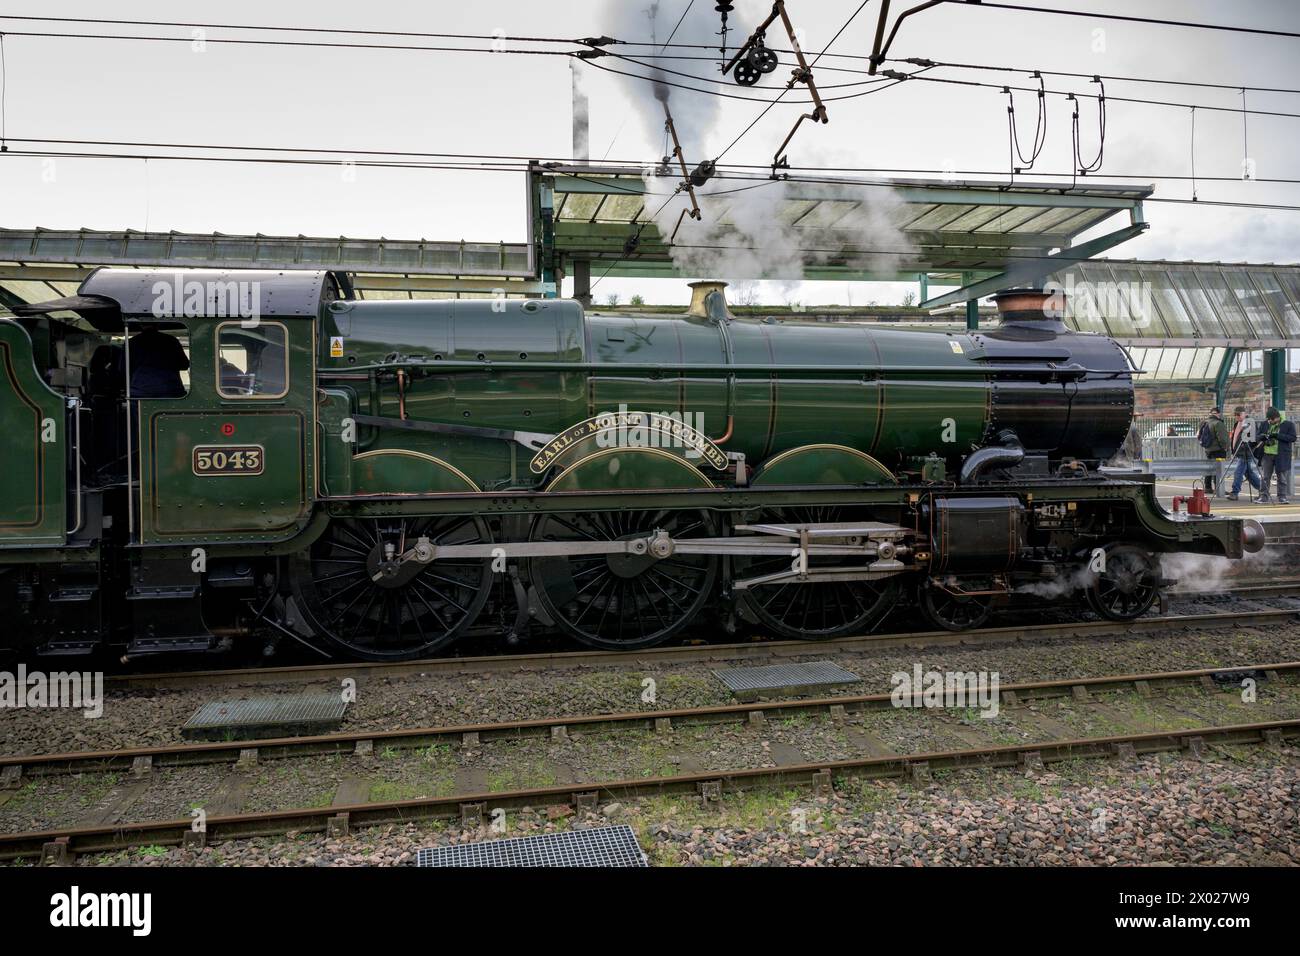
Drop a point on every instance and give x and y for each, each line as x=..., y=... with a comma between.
x=940, y=216
x=621, y=208
x=972, y=220
x=1183, y=359
x=32, y=292
x=1230, y=312
x=1252, y=302
x=1289, y=279
x=1050, y=218
x=1285, y=314
x=1134, y=289
x=1168, y=303
x=1084, y=309
x=580, y=206
x=1010, y=218
x=1204, y=315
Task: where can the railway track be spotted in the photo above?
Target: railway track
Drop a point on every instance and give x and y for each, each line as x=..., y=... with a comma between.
x=58, y=844
x=703, y=653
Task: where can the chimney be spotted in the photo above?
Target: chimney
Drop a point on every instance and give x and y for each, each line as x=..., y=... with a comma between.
x=709, y=301
x=1037, y=308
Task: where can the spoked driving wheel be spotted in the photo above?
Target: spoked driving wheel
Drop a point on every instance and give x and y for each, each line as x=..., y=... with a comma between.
x=1128, y=584
x=622, y=601
x=812, y=610
x=947, y=607
x=366, y=595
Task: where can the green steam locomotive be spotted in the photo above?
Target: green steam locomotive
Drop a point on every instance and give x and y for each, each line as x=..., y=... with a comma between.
x=195, y=458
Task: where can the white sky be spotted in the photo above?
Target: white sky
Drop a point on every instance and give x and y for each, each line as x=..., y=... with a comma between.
x=87, y=89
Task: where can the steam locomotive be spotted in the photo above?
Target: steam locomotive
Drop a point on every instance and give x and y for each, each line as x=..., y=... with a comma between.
x=376, y=479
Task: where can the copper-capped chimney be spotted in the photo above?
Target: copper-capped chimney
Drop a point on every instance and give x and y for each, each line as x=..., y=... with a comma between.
x=1036, y=308
x=709, y=301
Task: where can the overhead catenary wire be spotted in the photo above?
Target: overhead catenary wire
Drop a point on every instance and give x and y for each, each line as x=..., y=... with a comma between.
x=275, y=28
x=583, y=54
x=1110, y=77
x=881, y=53
x=1094, y=15
x=519, y=161
x=1066, y=93
x=516, y=166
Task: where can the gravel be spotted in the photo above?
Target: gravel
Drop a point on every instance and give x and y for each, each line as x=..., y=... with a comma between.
x=1235, y=810
x=134, y=718
x=587, y=759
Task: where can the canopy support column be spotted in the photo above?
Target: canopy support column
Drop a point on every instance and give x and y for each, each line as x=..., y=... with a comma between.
x=1221, y=379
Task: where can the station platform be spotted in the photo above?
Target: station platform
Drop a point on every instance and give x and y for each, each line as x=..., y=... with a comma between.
x=1243, y=507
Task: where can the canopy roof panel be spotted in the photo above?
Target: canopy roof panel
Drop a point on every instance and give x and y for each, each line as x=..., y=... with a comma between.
x=943, y=227
x=1171, y=304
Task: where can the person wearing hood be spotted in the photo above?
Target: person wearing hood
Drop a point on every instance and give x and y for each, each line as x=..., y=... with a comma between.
x=1277, y=455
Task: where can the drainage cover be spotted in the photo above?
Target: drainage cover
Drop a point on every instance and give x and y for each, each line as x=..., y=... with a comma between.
x=604, y=846
x=284, y=715
x=748, y=682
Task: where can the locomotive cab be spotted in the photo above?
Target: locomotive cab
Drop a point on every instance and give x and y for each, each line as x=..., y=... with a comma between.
x=157, y=423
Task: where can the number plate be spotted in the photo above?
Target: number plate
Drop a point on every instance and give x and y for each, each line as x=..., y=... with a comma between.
x=228, y=459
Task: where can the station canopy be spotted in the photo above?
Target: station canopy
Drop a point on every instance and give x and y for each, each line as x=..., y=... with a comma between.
x=949, y=231
x=41, y=264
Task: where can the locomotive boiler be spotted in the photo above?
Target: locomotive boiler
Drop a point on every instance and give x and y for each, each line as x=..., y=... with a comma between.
x=379, y=478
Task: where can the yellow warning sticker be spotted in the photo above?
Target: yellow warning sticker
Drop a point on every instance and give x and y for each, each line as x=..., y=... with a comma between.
x=955, y=346
x=336, y=346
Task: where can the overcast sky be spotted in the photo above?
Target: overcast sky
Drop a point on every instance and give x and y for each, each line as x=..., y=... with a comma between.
x=520, y=105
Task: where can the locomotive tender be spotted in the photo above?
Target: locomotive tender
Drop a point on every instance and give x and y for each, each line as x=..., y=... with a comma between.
x=378, y=478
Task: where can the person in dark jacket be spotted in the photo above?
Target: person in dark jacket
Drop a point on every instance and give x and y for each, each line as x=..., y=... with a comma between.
x=157, y=360
x=1277, y=454
x=1241, y=450
x=1214, y=439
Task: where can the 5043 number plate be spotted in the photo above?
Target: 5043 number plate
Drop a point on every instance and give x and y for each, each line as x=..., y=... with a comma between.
x=229, y=459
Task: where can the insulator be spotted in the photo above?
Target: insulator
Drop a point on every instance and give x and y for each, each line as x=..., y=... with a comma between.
x=702, y=173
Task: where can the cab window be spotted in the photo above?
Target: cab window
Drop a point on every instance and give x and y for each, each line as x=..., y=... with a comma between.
x=252, y=362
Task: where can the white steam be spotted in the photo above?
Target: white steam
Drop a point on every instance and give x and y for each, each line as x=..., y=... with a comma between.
x=1060, y=586
x=748, y=229
x=1203, y=574
x=652, y=21
x=752, y=234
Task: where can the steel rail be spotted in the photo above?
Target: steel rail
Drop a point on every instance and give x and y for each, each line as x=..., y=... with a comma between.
x=186, y=755
x=61, y=843
x=751, y=650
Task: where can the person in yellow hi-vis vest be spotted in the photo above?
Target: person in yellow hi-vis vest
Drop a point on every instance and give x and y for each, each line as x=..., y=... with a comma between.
x=1277, y=455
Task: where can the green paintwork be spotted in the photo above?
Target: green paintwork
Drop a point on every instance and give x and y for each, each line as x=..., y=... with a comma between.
x=629, y=469
x=824, y=465
x=402, y=472
x=33, y=477
x=178, y=506
x=888, y=397
x=783, y=385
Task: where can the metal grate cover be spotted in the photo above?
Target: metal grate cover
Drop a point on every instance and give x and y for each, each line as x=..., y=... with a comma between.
x=784, y=678
x=604, y=846
x=277, y=716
